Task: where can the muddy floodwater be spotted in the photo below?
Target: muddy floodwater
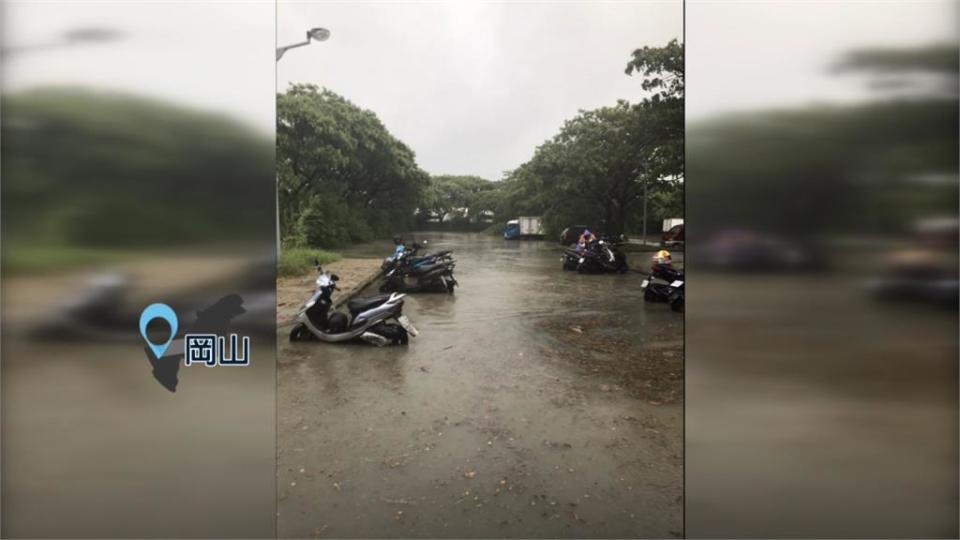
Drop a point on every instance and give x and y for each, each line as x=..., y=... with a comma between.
x=534, y=403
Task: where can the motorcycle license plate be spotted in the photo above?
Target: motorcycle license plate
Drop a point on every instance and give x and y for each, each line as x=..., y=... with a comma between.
x=676, y=283
x=405, y=323
x=644, y=284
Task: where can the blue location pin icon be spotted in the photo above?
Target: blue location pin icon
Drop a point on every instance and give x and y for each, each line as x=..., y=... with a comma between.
x=158, y=311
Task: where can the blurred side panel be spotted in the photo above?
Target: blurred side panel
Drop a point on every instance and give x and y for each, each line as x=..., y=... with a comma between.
x=821, y=329
x=137, y=166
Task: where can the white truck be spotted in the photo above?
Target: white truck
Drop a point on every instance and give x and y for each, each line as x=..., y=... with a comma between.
x=670, y=223
x=523, y=227
x=530, y=226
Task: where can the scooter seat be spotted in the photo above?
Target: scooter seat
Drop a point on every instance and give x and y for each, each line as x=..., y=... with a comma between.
x=428, y=268
x=667, y=272
x=362, y=304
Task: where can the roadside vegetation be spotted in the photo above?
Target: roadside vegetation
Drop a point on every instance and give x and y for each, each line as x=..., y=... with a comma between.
x=93, y=177
x=299, y=261
x=872, y=167
x=344, y=178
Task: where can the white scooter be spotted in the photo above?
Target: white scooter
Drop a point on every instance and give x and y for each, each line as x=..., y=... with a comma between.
x=366, y=320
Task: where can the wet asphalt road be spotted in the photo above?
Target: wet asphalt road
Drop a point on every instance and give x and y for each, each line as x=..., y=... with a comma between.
x=534, y=403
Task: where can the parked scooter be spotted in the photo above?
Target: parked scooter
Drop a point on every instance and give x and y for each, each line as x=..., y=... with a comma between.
x=367, y=319
x=599, y=256
x=664, y=285
x=407, y=272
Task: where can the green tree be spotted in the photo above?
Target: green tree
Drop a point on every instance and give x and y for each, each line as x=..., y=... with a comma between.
x=817, y=170
x=342, y=176
x=449, y=195
x=91, y=169
x=594, y=170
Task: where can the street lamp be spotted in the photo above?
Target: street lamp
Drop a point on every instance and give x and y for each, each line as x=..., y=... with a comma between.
x=314, y=34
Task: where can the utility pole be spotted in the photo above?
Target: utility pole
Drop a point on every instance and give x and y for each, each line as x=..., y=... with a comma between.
x=644, y=210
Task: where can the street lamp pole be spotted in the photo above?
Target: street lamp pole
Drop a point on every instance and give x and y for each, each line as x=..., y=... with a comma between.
x=314, y=34
x=644, y=210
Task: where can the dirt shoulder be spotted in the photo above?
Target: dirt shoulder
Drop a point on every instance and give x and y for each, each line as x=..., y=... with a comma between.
x=355, y=274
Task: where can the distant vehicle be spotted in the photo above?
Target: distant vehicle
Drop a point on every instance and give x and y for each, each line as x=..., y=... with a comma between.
x=925, y=272
x=673, y=237
x=670, y=223
x=744, y=250
x=571, y=234
x=512, y=230
x=523, y=227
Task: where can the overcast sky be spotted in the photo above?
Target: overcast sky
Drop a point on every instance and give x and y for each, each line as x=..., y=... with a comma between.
x=743, y=55
x=216, y=56
x=473, y=88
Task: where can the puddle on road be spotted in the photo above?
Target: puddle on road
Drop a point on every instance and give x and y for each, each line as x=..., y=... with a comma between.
x=500, y=419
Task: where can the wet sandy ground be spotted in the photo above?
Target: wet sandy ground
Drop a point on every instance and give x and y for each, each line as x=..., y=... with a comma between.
x=535, y=403
x=293, y=291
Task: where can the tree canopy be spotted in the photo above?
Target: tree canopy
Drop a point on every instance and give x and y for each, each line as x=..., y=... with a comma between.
x=464, y=197
x=93, y=169
x=342, y=176
x=594, y=170
x=825, y=169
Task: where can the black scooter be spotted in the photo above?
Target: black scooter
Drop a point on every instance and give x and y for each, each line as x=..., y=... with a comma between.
x=664, y=285
x=407, y=272
x=366, y=320
x=599, y=256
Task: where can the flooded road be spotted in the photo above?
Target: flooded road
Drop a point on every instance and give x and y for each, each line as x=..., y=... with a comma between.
x=534, y=403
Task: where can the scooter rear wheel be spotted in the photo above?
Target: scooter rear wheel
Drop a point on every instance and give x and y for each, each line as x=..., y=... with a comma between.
x=394, y=332
x=299, y=333
x=676, y=303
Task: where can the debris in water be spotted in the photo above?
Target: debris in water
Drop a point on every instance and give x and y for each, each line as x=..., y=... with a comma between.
x=398, y=501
